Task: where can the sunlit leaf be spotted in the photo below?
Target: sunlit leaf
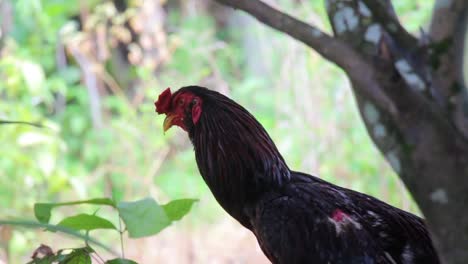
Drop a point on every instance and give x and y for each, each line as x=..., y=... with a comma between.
x=86, y=222
x=33, y=75
x=177, y=209
x=47, y=163
x=143, y=217
x=33, y=138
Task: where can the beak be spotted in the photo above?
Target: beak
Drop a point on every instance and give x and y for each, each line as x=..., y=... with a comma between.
x=168, y=122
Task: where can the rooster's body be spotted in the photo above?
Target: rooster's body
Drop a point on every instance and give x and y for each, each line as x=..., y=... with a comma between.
x=297, y=218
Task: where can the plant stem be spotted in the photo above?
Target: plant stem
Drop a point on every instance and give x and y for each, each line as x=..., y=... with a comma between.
x=9, y=122
x=97, y=258
x=121, y=237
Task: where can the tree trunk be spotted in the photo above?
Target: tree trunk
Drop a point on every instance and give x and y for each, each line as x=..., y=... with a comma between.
x=6, y=20
x=411, y=95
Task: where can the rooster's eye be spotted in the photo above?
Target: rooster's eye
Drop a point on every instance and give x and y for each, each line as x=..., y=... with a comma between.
x=195, y=101
x=180, y=102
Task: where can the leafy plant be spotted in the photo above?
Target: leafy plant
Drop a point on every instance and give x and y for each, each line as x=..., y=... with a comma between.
x=140, y=218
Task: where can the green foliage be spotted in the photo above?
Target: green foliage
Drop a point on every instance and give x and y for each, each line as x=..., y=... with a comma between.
x=55, y=228
x=176, y=209
x=141, y=218
x=86, y=222
x=75, y=256
x=132, y=214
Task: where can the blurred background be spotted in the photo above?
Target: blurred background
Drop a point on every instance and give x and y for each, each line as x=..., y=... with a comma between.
x=90, y=70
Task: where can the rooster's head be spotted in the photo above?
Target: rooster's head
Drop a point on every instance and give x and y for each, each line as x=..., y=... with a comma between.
x=234, y=153
x=182, y=108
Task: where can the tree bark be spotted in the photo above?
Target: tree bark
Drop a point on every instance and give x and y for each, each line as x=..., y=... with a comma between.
x=6, y=20
x=411, y=96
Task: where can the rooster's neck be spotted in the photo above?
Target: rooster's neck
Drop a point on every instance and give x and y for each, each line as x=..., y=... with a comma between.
x=236, y=157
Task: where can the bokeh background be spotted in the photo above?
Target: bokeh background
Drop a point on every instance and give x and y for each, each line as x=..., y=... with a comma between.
x=90, y=70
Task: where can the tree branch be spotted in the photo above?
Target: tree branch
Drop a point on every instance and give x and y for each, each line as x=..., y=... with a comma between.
x=447, y=31
x=332, y=49
x=91, y=83
x=446, y=16
x=389, y=21
x=6, y=20
x=9, y=122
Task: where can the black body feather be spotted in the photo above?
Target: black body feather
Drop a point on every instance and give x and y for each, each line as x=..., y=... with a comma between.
x=297, y=218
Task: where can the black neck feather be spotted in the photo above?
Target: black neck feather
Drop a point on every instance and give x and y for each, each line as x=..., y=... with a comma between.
x=235, y=155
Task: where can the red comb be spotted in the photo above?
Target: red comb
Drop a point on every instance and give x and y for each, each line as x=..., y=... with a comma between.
x=164, y=101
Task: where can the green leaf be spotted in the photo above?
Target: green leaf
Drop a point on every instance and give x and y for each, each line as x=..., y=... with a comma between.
x=81, y=258
x=42, y=211
x=86, y=222
x=78, y=256
x=120, y=261
x=177, y=209
x=143, y=217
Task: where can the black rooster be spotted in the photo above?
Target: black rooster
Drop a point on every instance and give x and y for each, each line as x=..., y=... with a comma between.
x=296, y=217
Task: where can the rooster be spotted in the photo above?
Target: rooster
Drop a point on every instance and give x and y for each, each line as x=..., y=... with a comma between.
x=296, y=217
